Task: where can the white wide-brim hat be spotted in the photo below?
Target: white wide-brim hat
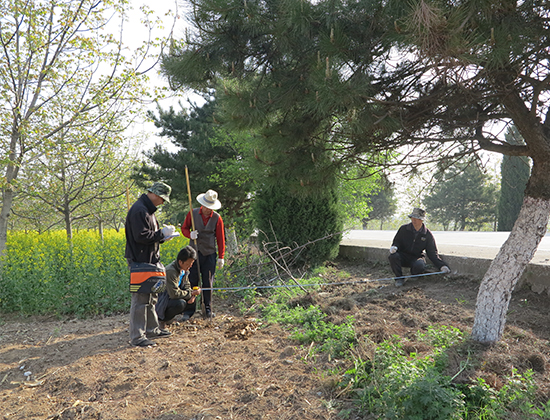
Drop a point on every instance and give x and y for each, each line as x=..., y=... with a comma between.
x=209, y=200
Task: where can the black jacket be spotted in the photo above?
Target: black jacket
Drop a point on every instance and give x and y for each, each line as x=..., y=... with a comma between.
x=143, y=235
x=414, y=243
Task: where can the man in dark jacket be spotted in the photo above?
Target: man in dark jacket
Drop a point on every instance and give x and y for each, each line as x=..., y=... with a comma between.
x=143, y=238
x=408, y=246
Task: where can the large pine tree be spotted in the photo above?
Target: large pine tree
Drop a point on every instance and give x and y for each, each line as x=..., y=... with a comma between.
x=334, y=81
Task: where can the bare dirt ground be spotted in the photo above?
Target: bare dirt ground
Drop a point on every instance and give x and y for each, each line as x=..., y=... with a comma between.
x=236, y=368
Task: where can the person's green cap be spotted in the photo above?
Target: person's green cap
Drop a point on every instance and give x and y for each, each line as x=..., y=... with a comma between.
x=162, y=190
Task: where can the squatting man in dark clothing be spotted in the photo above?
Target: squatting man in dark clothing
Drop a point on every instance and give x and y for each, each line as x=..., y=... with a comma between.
x=179, y=293
x=208, y=233
x=408, y=246
x=143, y=239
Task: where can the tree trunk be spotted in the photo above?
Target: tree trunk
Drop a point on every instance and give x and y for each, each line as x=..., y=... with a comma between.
x=7, y=200
x=12, y=170
x=100, y=226
x=506, y=269
x=68, y=225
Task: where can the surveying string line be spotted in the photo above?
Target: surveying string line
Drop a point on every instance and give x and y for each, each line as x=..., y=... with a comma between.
x=319, y=284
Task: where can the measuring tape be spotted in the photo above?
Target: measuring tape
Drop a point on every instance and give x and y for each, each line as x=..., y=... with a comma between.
x=317, y=284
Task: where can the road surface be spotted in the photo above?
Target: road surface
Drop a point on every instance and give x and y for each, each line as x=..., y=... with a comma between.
x=464, y=244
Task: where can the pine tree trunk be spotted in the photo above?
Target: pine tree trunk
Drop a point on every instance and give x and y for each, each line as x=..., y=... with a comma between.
x=506, y=269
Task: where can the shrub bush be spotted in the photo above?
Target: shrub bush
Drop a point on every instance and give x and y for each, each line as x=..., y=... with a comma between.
x=287, y=220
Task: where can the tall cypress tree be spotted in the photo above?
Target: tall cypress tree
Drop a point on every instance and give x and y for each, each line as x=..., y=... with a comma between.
x=514, y=172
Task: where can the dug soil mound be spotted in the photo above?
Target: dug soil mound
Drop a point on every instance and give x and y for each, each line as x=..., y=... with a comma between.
x=236, y=367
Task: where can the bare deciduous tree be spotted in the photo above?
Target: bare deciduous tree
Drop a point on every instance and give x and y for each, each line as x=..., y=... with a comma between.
x=61, y=72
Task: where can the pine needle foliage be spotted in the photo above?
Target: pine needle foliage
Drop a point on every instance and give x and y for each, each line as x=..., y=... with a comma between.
x=215, y=159
x=355, y=81
x=294, y=70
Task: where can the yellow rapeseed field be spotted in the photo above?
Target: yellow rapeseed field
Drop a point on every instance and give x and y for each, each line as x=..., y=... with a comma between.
x=43, y=274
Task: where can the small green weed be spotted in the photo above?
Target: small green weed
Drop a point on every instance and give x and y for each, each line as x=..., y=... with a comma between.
x=441, y=337
x=523, y=303
x=330, y=273
x=309, y=325
x=334, y=339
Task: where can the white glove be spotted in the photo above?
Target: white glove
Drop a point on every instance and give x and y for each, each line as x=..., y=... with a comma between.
x=168, y=230
x=194, y=234
x=221, y=263
x=445, y=269
x=393, y=249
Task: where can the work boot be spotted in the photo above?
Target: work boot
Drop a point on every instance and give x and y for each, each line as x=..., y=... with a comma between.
x=159, y=332
x=164, y=333
x=399, y=282
x=146, y=343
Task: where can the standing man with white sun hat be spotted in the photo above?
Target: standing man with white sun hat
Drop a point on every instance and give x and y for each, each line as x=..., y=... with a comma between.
x=209, y=232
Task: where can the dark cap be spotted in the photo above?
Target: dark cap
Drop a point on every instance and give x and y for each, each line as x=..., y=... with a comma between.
x=162, y=190
x=418, y=213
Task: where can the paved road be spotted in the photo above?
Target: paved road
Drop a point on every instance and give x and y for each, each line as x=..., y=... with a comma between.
x=466, y=244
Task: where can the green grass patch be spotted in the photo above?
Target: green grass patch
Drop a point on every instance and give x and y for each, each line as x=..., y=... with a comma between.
x=396, y=384
x=308, y=323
